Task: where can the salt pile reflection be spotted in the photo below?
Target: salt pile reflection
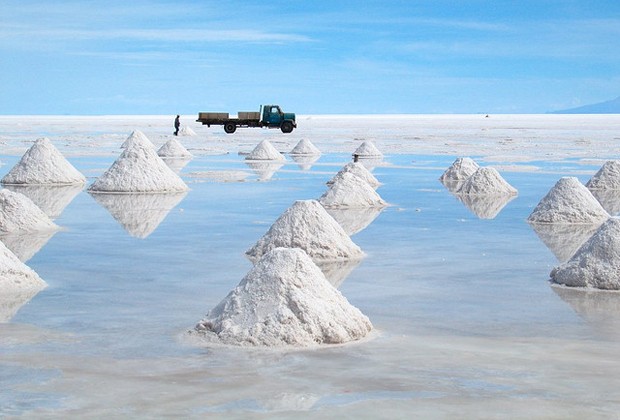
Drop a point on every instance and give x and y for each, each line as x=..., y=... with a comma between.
x=354, y=220
x=26, y=245
x=52, y=199
x=264, y=170
x=485, y=206
x=563, y=239
x=139, y=214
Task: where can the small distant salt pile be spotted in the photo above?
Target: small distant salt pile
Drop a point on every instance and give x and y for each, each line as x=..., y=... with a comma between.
x=19, y=214
x=596, y=263
x=305, y=147
x=358, y=170
x=139, y=169
x=349, y=190
x=486, y=181
x=186, y=131
x=569, y=201
x=307, y=225
x=265, y=151
x=284, y=300
x=368, y=150
x=607, y=178
x=137, y=138
x=460, y=170
x=173, y=149
x=43, y=164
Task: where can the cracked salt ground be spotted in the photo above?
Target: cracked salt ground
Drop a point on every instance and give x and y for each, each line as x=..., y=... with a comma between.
x=466, y=321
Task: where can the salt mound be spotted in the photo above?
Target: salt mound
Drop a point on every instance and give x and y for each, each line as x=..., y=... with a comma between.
x=265, y=151
x=307, y=225
x=137, y=138
x=186, y=131
x=43, y=164
x=460, y=170
x=139, y=169
x=19, y=214
x=284, y=300
x=305, y=147
x=486, y=181
x=173, y=149
x=349, y=190
x=596, y=263
x=367, y=149
x=607, y=178
x=15, y=276
x=359, y=170
x=569, y=201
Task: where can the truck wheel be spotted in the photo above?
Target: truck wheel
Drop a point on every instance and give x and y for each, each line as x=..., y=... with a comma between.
x=230, y=128
x=286, y=127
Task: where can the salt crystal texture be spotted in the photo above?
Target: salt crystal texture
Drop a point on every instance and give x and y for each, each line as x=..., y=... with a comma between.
x=307, y=225
x=595, y=264
x=368, y=149
x=486, y=181
x=305, y=147
x=19, y=214
x=607, y=178
x=137, y=138
x=569, y=201
x=460, y=170
x=186, y=131
x=284, y=300
x=43, y=164
x=349, y=190
x=173, y=149
x=265, y=151
x=359, y=170
x=139, y=169
x=15, y=276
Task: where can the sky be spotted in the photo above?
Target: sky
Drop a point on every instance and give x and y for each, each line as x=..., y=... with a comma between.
x=311, y=57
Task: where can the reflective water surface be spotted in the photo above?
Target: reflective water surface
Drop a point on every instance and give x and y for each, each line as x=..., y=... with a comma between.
x=467, y=324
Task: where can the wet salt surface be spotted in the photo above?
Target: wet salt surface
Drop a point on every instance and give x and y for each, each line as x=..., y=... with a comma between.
x=467, y=322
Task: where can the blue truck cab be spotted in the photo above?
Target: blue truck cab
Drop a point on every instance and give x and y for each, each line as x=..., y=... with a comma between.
x=273, y=117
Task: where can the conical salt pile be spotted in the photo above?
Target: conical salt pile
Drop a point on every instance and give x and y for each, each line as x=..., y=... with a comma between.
x=349, y=190
x=359, y=170
x=139, y=169
x=173, y=149
x=305, y=147
x=596, y=263
x=19, y=214
x=307, y=225
x=15, y=276
x=186, y=131
x=368, y=149
x=284, y=300
x=569, y=201
x=607, y=178
x=486, y=181
x=265, y=151
x=137, y=138
x=460, y=170
x=43, y=164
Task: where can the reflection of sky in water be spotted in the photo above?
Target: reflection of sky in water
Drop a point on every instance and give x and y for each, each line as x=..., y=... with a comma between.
x=464, y=313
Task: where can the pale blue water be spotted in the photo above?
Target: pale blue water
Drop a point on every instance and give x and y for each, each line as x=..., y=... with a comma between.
x=467, y=323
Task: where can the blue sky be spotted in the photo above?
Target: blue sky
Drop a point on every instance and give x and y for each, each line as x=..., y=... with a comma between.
x=311, y=57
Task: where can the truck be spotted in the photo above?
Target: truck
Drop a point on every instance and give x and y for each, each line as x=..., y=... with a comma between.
x=270, y=116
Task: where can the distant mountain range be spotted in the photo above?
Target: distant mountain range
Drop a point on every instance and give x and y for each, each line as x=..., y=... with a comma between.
x=607, y=107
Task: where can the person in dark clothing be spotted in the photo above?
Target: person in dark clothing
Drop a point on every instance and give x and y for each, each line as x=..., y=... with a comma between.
x=177, y=124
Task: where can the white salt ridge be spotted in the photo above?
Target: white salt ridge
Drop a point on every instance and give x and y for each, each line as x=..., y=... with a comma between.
x=569, y=201
x=307, y=225
x=595, y=264
x=460, y=170
x=173, y=149
x=15, y=276
x=43, y=164
x=349, y=190
x=607, y=177
x=284, y=300
x=186, y=131
x=368, y=149
x=359, y=170
x=137, y=138
x=19, y=214
x=305, y=147
x=265, y=151
x=139, y=169
x=486, y=181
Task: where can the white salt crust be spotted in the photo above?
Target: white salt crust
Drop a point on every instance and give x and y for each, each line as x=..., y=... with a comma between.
x=359, y=170
x=19, y=214
x=137, y=138
x=461, y=169
x=265, y=151
x=173, y=149
x=305, y=147
x=368, y=149
x=607, y=177
x=349, y=190
x=486, y=181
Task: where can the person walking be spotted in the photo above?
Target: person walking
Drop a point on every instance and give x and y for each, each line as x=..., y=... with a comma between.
x=177, y=124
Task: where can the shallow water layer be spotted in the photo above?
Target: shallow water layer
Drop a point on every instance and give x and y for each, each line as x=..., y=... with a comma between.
x=467, y=324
